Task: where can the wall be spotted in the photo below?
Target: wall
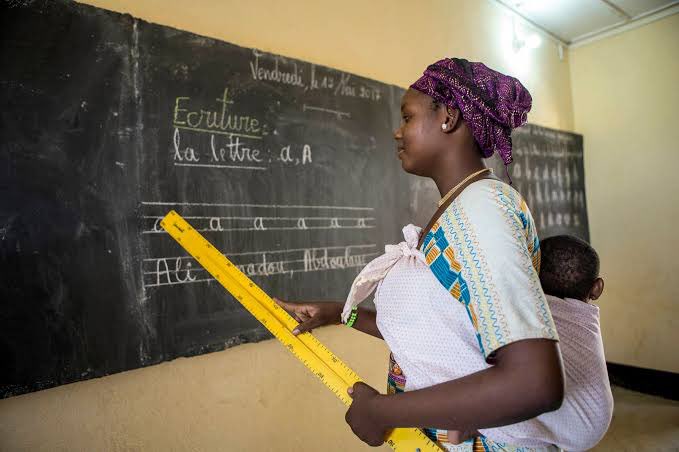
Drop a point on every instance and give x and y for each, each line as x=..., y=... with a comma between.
x=257, y=397
x=625, y=101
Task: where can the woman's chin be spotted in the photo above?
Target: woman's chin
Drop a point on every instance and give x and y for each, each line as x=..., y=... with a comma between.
x=404, y=162
x=409, y=168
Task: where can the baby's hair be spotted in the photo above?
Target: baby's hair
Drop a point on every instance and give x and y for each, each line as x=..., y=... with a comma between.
x=569, y=266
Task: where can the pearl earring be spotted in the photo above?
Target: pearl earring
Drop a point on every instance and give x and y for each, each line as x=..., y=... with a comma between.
x=444, y=126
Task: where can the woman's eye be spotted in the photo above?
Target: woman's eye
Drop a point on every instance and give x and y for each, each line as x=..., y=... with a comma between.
x=405, y=118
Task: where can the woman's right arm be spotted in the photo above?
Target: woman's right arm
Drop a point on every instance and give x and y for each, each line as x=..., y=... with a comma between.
x=367, y=323
x=316, y=314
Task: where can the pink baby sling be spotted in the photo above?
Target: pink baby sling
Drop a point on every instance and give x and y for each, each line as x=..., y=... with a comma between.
x=433, y=341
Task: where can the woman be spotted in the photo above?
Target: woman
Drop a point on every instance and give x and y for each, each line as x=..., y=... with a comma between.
x=482, y=247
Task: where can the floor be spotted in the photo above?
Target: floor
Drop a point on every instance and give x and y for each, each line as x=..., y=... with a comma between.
x=641, y=423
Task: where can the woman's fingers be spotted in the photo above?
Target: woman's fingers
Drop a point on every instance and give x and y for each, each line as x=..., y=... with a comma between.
x=307, y=325
x=308, y=315
x=289, y=307
x=299, y=312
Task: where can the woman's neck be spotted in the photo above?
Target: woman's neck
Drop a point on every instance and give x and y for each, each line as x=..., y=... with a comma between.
x=451, y=175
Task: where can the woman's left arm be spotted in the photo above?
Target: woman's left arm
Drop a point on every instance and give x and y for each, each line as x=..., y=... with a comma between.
x=525, y=381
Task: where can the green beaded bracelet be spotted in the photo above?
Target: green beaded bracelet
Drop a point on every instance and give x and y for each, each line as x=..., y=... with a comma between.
x=352, y=317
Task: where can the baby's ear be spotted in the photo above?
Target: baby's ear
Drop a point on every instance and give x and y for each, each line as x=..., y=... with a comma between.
x=596, y=290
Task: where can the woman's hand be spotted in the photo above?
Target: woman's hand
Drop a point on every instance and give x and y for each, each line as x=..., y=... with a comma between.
x=312, y=315
x=363, y=415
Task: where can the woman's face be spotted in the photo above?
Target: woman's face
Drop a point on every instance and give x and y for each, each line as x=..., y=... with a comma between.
x=419, y=136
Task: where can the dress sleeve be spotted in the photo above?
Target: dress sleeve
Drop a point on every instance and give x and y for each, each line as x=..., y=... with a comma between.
x=490, y=235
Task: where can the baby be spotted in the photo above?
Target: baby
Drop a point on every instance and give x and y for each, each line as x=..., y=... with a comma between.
x=569, y=274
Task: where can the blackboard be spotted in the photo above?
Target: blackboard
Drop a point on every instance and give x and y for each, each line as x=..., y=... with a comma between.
x=548, y=169
x=108, y=122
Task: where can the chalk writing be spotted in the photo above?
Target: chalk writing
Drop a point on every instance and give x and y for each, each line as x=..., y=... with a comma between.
x=235, y=151
x=259, y=219
x=215, y=120
x=264, y=206
x=291, y=76
x=342, y=86
x=339, y=114
x=262, y=223
x=315, y=260
x=163, y=271
x=187, y=153
x=278, y=70
x=178, y=274
x=547, y=171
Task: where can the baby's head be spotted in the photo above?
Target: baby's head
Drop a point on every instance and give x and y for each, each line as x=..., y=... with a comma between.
x=569, y=268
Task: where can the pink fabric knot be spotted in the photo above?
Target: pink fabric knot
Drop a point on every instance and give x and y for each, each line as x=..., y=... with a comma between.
x=377, y=269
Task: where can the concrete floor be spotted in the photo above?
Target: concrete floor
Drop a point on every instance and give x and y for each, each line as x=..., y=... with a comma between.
x=641, y=423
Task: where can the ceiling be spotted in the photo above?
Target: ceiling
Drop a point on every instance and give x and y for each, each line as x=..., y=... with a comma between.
x=575, y=21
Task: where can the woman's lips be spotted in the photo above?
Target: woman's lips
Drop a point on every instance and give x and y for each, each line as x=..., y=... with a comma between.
x=400, y=151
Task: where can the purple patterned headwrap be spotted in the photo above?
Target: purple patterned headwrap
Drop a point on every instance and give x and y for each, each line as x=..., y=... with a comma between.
x=491, y=103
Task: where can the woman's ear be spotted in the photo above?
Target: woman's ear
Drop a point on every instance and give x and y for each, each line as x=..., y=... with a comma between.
x=596, y=290
x=452, y=120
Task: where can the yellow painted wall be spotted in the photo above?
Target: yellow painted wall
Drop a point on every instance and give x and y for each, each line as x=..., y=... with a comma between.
x=625, y=96
x=257, y=397
x=254, y=397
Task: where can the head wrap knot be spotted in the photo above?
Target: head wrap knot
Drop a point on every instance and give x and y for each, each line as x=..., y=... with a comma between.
x=491, y=103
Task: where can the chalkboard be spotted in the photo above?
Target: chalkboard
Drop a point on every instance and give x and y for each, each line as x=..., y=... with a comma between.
x=110, y=122
x=287, y=167
x=548, y=170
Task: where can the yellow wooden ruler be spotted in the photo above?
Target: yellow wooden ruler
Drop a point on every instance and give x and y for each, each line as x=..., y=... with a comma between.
x=310, y=351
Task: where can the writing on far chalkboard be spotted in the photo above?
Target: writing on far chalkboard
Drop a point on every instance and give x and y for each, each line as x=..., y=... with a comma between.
x=551, y=177
x=235, y=140
x=548, y=171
